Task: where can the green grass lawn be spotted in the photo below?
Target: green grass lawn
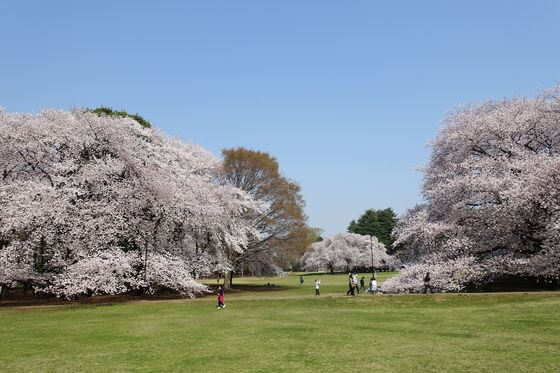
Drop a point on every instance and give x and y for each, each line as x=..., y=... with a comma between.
x=288, y=286
x=288, y=329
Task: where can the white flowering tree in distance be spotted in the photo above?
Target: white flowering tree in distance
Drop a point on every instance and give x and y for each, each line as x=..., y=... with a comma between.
x=345, y=252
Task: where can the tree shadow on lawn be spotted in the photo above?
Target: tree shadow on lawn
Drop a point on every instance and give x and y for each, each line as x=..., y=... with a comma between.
x=361, y=273
x=30, y=300
x=18, y=298
x=254, y=288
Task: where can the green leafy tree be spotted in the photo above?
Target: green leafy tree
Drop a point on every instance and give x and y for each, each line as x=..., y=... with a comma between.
x=284, y=234
x=378, y=223
x=315, y=235
x=123, y=114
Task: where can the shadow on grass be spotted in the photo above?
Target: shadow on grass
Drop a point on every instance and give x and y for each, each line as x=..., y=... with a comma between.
x=361, y=273
x=18, y=298
x=254, y=288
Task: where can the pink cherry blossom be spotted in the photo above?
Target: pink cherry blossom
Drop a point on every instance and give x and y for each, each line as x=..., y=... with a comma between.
x=101, y=205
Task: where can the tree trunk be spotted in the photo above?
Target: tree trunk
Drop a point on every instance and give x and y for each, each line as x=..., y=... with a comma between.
x=227, y=279
x=4, y=291
x=332, y=269
x=146, y=262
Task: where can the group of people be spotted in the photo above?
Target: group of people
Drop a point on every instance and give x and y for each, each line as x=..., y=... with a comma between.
x=355, y=288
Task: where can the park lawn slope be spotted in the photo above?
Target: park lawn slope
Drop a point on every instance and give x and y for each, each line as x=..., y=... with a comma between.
x=443, y=332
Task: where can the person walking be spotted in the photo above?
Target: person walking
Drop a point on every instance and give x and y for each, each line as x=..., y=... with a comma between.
x=362, y=284
x=427, y=285
x=300, y=280
x=350, y=285
x=355, y=281
x=221, y=303
x=317, y=287
x=373, y=285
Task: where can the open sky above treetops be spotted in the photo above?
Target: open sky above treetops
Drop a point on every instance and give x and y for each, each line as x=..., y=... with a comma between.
x=345, y=95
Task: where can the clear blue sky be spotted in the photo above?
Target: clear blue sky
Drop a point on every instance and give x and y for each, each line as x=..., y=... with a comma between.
x=346, y=94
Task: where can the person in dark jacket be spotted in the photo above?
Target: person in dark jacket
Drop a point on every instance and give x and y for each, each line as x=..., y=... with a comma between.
x=362, y=284
x=350, y=285
x=427, y=283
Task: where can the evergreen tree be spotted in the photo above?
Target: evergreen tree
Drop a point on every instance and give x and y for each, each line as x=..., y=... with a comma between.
x=122, y=114
x=378, y=223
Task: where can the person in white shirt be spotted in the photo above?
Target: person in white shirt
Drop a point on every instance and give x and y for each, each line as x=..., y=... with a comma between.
x=355, y=281
x=373, y=285
x=317, y=286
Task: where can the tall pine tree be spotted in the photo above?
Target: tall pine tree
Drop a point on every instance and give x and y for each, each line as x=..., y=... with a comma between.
x=378, y=223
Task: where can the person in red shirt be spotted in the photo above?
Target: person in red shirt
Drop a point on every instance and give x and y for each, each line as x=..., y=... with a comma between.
x=221, y=303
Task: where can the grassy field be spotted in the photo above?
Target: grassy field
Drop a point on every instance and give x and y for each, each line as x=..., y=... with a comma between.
x=286, y=329
x=288, y=286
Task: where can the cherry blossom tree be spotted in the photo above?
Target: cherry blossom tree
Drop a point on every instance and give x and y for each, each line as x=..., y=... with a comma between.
x=492, y=190
x=447, y=275
x=99, y=204
x=345, y=252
